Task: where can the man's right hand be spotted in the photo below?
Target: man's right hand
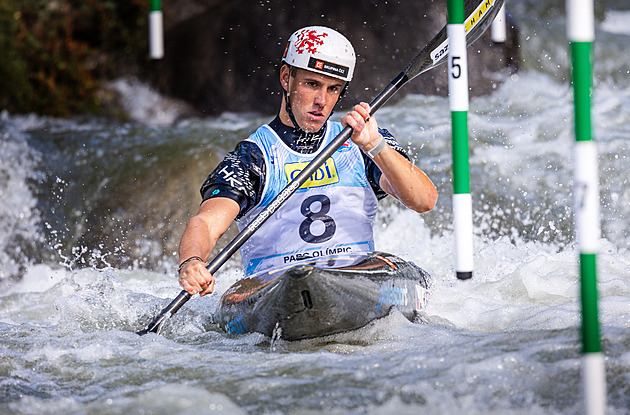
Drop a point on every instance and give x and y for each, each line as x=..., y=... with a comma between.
x=195, y=278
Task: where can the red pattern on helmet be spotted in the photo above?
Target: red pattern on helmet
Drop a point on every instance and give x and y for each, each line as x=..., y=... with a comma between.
x=308, y=40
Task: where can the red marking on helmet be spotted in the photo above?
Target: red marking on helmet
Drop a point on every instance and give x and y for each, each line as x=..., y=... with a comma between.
x=308, y=40
x=286, y=49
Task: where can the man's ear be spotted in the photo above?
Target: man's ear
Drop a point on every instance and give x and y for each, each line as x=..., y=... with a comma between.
x=285, y=72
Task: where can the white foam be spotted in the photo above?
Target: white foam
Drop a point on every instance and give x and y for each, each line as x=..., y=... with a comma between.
x=39, y=278
x=144, y=104
x=18, y=214
x=617, y=22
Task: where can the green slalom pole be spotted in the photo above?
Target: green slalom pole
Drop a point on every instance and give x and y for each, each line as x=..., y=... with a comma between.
x=156, y=30
x=458, y=103
x=581, y=33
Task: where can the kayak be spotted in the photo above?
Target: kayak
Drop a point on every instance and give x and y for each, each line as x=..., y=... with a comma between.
x=323, y=296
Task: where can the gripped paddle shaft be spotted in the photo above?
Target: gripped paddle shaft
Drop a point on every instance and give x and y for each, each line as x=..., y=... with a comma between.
x=480, y=16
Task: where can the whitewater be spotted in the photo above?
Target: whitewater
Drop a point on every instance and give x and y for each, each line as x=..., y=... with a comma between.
x=91, y=212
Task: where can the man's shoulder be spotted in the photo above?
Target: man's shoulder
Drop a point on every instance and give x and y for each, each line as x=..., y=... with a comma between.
x=261, y=140
x=263, y=131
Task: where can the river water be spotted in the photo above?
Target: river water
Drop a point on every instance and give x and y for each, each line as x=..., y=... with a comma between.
x=91, y=212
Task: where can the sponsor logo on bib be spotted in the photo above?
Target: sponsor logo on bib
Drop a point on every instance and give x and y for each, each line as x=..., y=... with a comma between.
x=326, y=174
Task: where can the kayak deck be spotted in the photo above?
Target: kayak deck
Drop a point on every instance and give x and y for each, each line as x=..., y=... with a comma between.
x=323, y=296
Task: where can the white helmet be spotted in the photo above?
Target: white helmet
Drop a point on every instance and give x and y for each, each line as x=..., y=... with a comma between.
x=322, y=50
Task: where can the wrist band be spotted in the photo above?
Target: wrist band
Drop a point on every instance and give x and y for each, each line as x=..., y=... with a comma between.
x=192, y=258
x=377, y=148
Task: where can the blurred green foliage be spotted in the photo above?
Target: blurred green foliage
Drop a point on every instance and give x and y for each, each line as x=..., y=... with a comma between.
x=55, y=53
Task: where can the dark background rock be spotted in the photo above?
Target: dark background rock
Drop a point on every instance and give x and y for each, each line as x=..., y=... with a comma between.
x=225, y=55
x=221, y=55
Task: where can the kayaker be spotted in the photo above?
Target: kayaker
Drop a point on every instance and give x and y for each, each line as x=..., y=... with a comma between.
x=334, y=210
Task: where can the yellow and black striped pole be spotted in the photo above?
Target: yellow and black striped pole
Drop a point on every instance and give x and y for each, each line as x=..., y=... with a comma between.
x=581, y=33
x=458, y=102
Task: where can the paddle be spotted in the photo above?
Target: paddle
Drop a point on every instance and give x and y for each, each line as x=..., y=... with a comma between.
x=480, y=15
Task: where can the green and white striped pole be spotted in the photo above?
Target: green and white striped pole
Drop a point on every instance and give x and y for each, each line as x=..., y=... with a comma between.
x=156, y=30
x=458, y=102
x=581, y=33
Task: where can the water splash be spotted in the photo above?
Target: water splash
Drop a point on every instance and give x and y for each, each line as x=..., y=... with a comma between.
x=19, y=218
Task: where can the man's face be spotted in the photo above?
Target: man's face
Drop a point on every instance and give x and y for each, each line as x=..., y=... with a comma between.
x=312, y=96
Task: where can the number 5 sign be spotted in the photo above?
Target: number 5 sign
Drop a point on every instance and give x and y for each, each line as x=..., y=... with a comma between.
x=457, y=68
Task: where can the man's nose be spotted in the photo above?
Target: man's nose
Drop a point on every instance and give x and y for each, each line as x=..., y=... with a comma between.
x=320, y=98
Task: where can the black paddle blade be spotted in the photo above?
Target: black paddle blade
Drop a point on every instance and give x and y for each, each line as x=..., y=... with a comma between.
x=158, y=322
x=155, y=326
x=479, y=16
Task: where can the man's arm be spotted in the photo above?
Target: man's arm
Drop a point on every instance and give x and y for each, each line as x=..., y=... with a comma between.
x=200, y=236
x=400, y=177
x=405, y=181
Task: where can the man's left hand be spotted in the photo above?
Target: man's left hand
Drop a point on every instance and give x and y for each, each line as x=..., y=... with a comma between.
x=365, y=133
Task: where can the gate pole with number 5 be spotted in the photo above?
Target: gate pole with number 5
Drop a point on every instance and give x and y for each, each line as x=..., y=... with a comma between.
x=458, y=100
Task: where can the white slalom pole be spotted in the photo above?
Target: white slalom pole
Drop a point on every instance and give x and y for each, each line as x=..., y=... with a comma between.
x=156, y=31
x=498, y=30
x=581, y=33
